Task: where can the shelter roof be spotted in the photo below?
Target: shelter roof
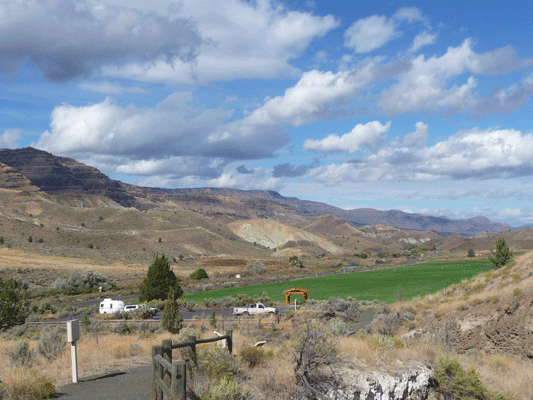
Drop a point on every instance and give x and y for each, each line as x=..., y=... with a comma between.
x=296, y=290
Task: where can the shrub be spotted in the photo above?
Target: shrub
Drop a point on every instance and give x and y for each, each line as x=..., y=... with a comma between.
x=51, y=344
x=27, y=385
x=256, y=266
x=125, y=329
x=77, y=283
x=243, y=300
x=312, y=349
x=224, y=389
x=1, y=240
x=44, y=307
x=199, y=274
x=14, y=303
x=338, y=327
x=253, y=355
x=387, y=322
x=21, y=355
x=144, y=313
x=159, y=280
x=344, y=309
x=295, y=262
x=471, y=253
x=456, y=383
x=216, y=361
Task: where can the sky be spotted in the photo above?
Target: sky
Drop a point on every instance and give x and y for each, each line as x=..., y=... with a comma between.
x=418, y=106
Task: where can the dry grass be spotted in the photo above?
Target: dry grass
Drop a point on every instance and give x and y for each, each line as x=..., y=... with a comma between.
x=506, y=374
x=106, y=352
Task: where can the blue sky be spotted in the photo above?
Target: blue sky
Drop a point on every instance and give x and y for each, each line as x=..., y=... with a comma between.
x=421, y=106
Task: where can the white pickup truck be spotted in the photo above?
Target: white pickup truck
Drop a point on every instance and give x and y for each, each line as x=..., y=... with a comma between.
x=255, y=309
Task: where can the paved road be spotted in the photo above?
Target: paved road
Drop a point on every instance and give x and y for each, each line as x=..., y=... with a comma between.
x=131, y=384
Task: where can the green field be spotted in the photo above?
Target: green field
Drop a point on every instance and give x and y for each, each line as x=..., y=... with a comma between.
x=382, y=284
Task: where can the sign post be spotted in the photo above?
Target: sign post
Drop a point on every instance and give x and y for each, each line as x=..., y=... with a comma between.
x=73, y=334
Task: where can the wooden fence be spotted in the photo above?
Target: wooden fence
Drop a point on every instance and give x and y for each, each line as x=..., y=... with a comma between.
x=169, y=377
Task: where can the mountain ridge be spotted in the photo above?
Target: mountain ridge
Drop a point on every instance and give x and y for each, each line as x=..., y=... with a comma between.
x=59, y=175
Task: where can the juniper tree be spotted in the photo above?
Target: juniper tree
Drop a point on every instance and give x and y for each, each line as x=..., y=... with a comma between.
x=171, y=320
x=502, y=254
x=159, y=280
x=14, y=303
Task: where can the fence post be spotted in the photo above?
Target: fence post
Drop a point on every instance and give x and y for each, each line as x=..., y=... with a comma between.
x=157, y=370
x=178, y=385
x=194, y=357
x=167, y=350
x=229, y=341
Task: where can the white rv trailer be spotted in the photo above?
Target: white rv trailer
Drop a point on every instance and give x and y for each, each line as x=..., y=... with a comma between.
x=110, y=306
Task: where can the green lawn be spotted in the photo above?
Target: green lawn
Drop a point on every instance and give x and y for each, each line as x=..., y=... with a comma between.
x=383, y=284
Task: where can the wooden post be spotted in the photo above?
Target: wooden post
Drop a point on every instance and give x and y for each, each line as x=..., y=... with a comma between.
x=167, y=350
x=157, y=370
x=229, y=341
x=194, y=357
x=178, y=385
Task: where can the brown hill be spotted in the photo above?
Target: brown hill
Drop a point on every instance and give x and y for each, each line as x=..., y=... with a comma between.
x=62, y=175
x=331, y=225
x=59, y=175
x=12, y=179
x=274, y=235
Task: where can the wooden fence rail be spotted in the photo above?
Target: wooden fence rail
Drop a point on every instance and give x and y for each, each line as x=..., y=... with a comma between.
x=169, y=378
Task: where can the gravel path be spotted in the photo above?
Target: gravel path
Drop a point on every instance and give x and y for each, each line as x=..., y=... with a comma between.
x=130, y=384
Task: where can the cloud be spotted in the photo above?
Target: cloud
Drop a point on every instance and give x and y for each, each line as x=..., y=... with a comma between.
x=241, y=40
x=67, y=39
x=241, y=169
x=313, y=97
x=290, y=171
x=422, y=39
x=9, y=139
x=172, y=167
x=429, y=85
x=371, y=33
x=418, y=138
x=368, y=135
x=471, y=154
x=173, y=136
x=502, y=101
x=110, y=88
x=259, y=180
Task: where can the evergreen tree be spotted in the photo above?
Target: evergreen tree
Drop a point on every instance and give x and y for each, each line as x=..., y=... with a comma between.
x=171, y=320
x=14, y=303
x=502, y=254
x=159, y=280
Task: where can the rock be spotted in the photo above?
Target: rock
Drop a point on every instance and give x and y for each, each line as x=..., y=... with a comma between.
x=415, y=382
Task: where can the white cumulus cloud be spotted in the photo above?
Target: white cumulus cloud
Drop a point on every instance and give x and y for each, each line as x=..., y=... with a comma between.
x=241, y=39
x=470, y=154
x=422, y=39
x=367, y=135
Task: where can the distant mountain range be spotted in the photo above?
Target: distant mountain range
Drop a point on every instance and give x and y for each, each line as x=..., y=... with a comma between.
x=62, y=175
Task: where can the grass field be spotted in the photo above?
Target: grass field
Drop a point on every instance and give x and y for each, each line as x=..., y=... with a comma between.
x=387, y=285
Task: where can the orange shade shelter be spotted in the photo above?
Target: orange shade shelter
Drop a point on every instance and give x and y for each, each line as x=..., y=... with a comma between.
x=295, y=290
